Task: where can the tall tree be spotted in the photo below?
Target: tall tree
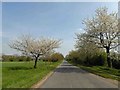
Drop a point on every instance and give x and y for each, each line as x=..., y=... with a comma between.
x=34, y=47
x=85, y=48
x=103, y=31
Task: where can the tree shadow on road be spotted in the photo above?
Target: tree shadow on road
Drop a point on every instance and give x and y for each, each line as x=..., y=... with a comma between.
x=68, y=68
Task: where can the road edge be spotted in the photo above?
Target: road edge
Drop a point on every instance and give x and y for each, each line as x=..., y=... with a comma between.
x=42, y=81
x=115, y=82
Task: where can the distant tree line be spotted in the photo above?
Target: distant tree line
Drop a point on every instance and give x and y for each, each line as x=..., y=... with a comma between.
x=97, y=58
x=54, y=57
x=13, y=58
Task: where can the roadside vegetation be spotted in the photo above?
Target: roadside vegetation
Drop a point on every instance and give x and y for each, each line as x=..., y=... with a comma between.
x=16, y=74
x=18, y=71
x=95, y=64
x=13, y=58
x=35, y=48
x=103, y=71
x=96, y=48
x=54, y=57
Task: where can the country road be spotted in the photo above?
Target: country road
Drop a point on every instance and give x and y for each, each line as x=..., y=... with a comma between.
x=69, y=76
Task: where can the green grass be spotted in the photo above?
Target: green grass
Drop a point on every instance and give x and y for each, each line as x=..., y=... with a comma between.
x=0, y=75
x=103, y=71
x=23, y=75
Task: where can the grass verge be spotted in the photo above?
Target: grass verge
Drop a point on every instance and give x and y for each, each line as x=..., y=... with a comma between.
x=103, y=71
x=23, y=75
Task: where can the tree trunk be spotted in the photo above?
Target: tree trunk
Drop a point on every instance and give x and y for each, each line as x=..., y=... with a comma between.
x=36, y=58
x=108, y=57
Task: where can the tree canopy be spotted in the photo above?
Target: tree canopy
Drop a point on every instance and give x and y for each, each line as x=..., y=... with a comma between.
x=35, y=47
x=101, y=30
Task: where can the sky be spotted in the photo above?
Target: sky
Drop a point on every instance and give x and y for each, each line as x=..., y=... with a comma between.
x=59, y=20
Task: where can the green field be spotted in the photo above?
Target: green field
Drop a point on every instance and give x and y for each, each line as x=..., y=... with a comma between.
x=23, y=75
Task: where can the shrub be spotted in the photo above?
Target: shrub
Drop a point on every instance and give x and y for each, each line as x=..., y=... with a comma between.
x=56, y=57
x=115, y=58
x=89, y=59
x=15, y=58
x=73, y=56
x=116, y=64
x=53, y=58
x=28, y=59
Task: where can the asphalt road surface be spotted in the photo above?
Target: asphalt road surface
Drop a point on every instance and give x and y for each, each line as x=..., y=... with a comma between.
x=69, y=76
